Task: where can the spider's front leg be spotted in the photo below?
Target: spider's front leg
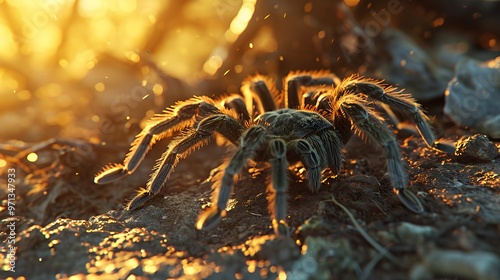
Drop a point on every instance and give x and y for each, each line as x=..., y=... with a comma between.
x=279, y=186
x=404, y=104
x=223, y=124
x=378, y=132
x=250, y=141
x=301, y=149
x=162, y=125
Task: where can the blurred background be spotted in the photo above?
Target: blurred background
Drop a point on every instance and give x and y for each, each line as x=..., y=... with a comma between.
x=62, y=63
x=79, y=69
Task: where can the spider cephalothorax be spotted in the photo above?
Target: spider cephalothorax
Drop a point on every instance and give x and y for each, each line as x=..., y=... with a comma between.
x=309, y=122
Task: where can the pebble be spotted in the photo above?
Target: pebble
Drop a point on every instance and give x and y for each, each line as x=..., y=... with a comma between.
x=411, y=234
x=464, y=265
x=472, y=97
x=476, y=149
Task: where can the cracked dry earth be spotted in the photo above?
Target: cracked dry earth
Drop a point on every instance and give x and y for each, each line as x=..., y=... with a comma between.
x=458, y=237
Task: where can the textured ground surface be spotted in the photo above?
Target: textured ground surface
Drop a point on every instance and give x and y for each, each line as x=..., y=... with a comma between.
x=81, y=230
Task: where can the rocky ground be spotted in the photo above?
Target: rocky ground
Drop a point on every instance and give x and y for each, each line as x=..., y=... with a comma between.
x=354, y=227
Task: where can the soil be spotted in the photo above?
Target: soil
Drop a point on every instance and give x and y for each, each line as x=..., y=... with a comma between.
x=75, y=229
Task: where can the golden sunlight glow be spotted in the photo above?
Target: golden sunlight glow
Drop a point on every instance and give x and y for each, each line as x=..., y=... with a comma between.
x=237, y=26
x=56, y=55
x=152, y=19
x=24, y=95
x=92, y=8
x=241, y=20
x=214, y=63
x=3, y=163
x=7, y=44
x=127, y=6
x=7, y=82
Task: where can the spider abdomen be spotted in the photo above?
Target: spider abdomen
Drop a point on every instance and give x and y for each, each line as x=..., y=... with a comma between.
x=293, y=124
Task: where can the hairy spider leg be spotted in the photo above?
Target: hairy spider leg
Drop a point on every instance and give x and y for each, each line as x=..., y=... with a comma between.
x=251, y=140
x=402, y=103
x=334, y=136
x=309, y=157
x=294, y=82
x=277, y=189
x=393, y=119
x=311, y=97
x=162, y=125
x=329, y=147
x=227, y=126
x=377, y=132
x=237, y=104
x=259, y=92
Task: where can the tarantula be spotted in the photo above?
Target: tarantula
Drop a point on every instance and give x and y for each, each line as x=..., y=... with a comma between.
x=308, y=122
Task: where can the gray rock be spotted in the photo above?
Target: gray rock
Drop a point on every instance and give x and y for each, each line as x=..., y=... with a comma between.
x=402, y=61
x=473, y=96
x=476, y=149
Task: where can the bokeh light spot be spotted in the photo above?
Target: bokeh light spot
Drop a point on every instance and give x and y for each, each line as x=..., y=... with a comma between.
x=32, y=157
x=100, y=87
x=351, y=3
